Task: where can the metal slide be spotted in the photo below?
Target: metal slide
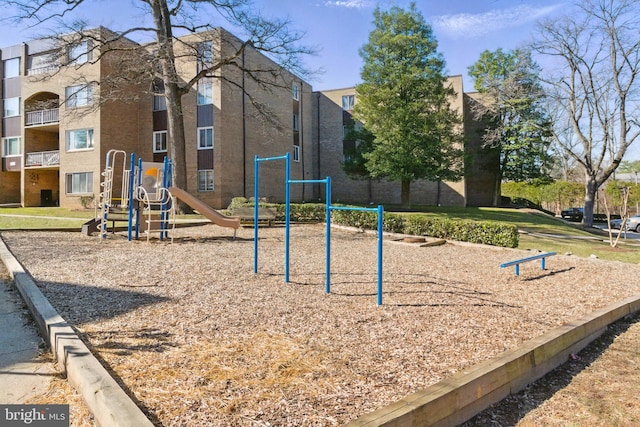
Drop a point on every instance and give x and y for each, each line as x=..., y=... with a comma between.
x=205, y=210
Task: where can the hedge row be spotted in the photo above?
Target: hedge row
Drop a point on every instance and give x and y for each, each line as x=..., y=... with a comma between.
x=485, y=232
x=303, y=212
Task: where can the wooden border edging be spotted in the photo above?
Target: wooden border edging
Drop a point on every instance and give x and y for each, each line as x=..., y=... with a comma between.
x=467, y=393
x=110, y=405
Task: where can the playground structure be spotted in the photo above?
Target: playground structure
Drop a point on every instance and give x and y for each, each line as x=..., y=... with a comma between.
x=146, y=199
x=329, y=209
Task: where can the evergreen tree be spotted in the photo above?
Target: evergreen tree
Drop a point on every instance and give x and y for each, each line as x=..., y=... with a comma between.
x=404, y=102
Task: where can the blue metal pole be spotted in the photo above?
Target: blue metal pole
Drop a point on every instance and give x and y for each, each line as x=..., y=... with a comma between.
x=287, y=196
x=256, y=181
x=380, y=224
x=328, y=234
x=132, y=171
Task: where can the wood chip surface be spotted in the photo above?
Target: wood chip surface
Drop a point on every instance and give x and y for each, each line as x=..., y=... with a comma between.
x=199, y=339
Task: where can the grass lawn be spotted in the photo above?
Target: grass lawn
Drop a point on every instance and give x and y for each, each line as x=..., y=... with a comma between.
x=546, y=233
x=37, y=218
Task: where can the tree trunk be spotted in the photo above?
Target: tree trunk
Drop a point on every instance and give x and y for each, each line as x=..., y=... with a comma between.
x=173, y=94
x=497, y=191
x=405, y=195
x=589, y=200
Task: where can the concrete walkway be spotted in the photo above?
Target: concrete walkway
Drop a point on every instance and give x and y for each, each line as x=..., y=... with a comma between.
x=22, y=374
x=104, y=397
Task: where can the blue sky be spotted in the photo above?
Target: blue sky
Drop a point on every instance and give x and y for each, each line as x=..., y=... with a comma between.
x=463, y=28
x=338, y=28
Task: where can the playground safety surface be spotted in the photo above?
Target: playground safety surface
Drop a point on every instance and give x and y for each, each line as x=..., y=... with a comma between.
x=197, y=338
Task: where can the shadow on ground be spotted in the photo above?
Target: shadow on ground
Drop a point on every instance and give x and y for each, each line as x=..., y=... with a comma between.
x=514, y=408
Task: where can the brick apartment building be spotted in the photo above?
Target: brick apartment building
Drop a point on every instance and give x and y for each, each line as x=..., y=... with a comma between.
x=56, y=129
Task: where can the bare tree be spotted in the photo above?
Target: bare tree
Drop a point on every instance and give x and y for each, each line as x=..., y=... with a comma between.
x=595, y=55
x=178, y=31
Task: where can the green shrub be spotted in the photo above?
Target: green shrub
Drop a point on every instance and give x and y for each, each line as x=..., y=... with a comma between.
x=300, y=212
x=485, y=232
x=305, y=212
x=87, y=201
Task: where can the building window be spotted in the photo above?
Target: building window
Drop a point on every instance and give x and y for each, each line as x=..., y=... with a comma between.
x=296, y=122
x=11, y=68
x=348, y=101
x=11, y=107
x=159, y=103
x=159, y=100
x=205, y=55
x=205, y=138
x=79, y=53
x=79, y=139
x=160, y=141
x=205, y=92
x=78, y=96
x=11, y=147
x=296, y=153
x=79, y=183
x=205, y=180
x=295, y=91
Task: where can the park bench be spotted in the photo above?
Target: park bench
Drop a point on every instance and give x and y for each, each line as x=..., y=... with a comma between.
x=247, y=214
x=517, y=262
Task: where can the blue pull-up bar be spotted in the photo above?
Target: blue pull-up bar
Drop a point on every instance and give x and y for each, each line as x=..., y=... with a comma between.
x=329, y=208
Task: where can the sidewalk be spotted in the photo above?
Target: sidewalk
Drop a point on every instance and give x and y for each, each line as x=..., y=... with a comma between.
x=22, y=374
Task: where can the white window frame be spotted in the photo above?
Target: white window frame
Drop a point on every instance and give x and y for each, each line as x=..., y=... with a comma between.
x=78, y=96
x=205, y=55
x=11, y=68
x=295, y=92
x=11, y=110
x=205, y=92
x=348, y=102
x=71, y=139
x=200, y=134
x=159, y=102
x=6, y=144
x=296, y=153
x=205, y=176
x=296, y=122
x=78, y=183
x=162, y=134
x=79, y=52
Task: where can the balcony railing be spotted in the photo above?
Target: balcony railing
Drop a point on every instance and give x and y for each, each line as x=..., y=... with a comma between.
x=45, y=69
x=43, y=158
x=42, y=117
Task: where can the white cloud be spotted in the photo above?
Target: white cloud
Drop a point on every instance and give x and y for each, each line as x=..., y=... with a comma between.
x=350, y=4
x=466, y=25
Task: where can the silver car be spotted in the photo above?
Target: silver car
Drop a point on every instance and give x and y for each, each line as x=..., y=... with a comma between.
x=632, y=224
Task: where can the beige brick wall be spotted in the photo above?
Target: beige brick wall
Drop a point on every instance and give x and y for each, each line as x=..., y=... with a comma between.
x=348, y=190
x=241, y=132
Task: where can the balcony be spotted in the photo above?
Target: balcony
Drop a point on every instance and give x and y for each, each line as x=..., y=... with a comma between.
x=42, y=117
x=44, y=69
x=43, y=159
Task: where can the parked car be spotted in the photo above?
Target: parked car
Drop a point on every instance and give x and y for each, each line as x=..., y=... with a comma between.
x=572, y=214
x=632, y=224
